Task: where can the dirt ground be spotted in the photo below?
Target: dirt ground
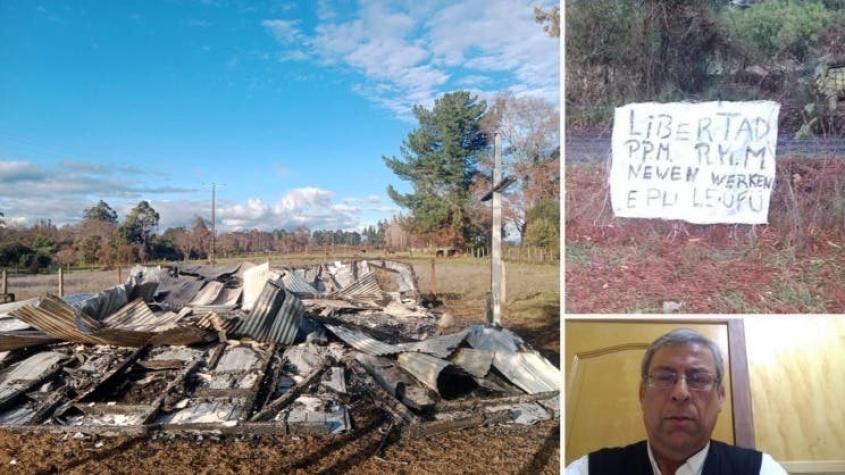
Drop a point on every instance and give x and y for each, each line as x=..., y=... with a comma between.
x=532, y=311
x=796, y=264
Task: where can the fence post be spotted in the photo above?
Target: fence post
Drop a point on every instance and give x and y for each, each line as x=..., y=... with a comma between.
x=119, y=275
x=61, y=282
x=5, y=283
x=433, y=280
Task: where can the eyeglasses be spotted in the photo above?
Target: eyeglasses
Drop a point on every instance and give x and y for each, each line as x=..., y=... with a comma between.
x=698, y=381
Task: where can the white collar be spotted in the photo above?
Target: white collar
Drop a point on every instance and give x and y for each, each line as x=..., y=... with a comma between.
x=693, y=466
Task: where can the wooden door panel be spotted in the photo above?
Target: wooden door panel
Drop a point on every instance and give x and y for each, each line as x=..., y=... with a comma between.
x=603, y=373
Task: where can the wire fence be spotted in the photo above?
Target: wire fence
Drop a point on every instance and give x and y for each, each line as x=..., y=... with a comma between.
x=597, y=147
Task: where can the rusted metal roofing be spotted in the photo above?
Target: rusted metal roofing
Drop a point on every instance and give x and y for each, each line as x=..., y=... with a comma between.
x=138, y=316
x=275, y=317
x=58, y=319
x=406, y=278
x=24, y=338
x=361, y=341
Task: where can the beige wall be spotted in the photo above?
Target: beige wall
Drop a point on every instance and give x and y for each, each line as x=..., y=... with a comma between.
x=797, y=373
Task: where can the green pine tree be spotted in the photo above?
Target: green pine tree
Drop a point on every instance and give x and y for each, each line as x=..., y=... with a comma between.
x=439, y=158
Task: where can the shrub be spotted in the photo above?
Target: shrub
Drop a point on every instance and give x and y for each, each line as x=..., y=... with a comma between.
x=780, y=29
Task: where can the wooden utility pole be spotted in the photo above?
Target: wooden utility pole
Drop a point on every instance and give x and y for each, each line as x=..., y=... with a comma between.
x=213, y=219
x=433, y=280
x=496, y=261
x=61, y=282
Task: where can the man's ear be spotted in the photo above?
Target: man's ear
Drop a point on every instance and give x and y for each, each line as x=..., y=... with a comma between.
x=721, y=396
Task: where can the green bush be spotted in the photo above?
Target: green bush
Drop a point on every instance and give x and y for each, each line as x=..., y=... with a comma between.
x=543, y=233
x=780, y=29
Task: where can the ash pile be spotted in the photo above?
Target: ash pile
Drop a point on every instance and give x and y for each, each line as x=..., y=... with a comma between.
x=254, y=349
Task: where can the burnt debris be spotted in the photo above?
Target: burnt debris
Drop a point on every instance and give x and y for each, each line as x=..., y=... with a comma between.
x=254, y=348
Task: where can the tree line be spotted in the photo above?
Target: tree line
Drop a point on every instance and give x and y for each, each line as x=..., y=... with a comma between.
x=101, y=239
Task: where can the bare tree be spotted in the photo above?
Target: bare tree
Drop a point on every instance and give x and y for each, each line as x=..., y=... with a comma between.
x=530, y=128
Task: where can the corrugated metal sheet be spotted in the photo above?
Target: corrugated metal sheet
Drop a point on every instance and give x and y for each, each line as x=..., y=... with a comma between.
x=254, y=280
x=425, y=368
x=102, y=304
x=528, y=370
x=474, y=362
x=367, y=285
x=210, y=273
x=5, y=308
x=229, y=297
x=275, y=317
x=24, y=338
x=494, y=339
x=10, y=324
x=138, y=316
x=57, y=319
x=20, y=376
x=176, y=293
x=208, y=294
x=343, y=273
x=361, y=341
x=298, y=285
x=439, y=346
x=406, y=278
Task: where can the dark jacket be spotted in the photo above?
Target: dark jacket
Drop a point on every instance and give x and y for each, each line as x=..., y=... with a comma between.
x=722, y=459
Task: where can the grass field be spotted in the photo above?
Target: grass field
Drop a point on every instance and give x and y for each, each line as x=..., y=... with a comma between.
x=532, y=310
x=796, y=264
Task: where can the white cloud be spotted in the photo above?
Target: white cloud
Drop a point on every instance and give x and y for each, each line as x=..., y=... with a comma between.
x=285, y=31
x=32, y=192
x=407, y=52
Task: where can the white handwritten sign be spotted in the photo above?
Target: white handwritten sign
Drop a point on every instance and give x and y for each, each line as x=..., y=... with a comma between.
x=711, y=162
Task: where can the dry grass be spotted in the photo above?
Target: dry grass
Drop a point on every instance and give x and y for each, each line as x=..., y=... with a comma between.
x=793, y=265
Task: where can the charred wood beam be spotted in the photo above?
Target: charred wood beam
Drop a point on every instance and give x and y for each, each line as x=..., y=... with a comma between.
x=252, y=396
x=48, y=405
x=290, y=394
x=426, y=429
x=446, y=406
x=110, y=376
x=396, y=382
x=386, y=401
x=179, y=381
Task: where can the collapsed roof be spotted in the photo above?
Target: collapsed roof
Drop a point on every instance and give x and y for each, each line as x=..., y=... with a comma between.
x=256, y=348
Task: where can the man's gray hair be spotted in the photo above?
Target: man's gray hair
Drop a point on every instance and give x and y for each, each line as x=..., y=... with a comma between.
x=683, y=336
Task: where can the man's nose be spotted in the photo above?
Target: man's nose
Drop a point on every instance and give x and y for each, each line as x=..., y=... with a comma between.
x=680, y=391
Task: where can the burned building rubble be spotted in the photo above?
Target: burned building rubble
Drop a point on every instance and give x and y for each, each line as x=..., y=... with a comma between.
x=255, y=348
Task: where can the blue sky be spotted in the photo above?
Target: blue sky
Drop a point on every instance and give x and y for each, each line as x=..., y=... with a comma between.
x=288, y=105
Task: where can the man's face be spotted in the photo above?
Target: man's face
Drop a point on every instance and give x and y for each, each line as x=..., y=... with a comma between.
x=679, y=420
